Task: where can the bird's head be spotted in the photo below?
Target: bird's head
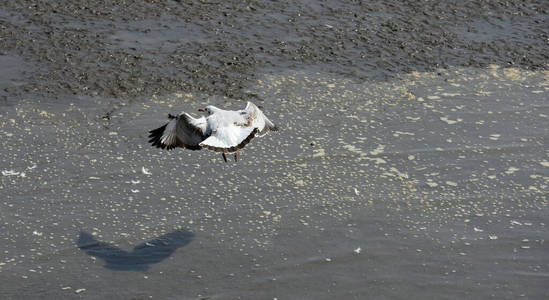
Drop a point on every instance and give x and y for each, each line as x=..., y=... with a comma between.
x=210, y=109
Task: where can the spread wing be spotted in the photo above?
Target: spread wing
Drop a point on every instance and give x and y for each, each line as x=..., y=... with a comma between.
x=229, y=138
x=182, y=131
x=256, y=119
x=234, y=130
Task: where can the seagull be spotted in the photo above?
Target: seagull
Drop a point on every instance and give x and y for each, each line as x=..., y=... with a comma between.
x=219, y=130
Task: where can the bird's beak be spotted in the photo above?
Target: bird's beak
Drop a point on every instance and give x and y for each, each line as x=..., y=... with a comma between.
x=201, y=110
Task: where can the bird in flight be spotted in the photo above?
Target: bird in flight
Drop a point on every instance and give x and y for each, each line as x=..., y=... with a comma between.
x=219, y=130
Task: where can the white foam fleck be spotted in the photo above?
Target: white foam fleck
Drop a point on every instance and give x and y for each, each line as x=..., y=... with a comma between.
x=432, y=184
x=299, y=182
x=363, y=155
x=451, y=122
x=376, y=160
x=495, y=136
x=319, y=152
x=511, y=170
x=378, y=150
x=353, y=149
x=398, y=133
x=397, y=173
x=450, y=94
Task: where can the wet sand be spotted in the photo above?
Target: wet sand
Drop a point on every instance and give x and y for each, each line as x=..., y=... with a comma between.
x=412, y=158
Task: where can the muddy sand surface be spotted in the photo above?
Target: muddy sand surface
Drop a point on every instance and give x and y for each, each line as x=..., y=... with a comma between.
x=412, y=158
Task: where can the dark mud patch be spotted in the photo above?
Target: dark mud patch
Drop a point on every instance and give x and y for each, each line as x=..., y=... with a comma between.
x=112, y=48
x=14, y=73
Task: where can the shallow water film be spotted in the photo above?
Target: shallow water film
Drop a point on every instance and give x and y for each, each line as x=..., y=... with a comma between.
x=411, y=160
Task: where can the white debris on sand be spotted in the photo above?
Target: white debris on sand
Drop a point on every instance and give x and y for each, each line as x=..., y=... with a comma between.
x=357, y=250
x=13, y=173
x=146, y=171
x=10, y=173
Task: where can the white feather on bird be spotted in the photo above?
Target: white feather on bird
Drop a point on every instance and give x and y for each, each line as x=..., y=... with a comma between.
x=225, y=131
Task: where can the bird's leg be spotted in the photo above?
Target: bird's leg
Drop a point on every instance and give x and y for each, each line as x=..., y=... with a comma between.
x=236, y=156
x=224, y=157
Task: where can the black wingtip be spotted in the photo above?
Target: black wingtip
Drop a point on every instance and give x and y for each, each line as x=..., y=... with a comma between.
x=156, y=135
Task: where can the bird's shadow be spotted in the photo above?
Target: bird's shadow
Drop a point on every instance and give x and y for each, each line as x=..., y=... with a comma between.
x=141, y=257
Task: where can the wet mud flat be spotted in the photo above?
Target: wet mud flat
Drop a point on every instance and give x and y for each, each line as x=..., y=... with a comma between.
x=392, y=176
x=113, y=49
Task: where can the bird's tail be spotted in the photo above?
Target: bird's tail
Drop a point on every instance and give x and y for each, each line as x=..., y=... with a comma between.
x=271, y=125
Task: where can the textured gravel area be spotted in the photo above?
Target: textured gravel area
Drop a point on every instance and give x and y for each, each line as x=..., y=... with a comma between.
x=134, y=48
